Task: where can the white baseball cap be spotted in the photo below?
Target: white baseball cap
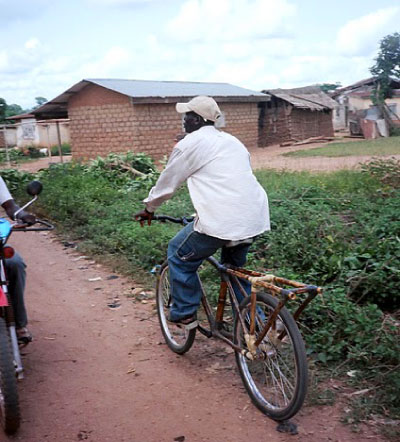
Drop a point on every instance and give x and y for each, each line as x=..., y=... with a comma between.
x=204, y=106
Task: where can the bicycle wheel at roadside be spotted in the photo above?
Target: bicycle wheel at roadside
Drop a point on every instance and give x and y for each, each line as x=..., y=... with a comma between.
x=9, y=404
x=276, y=380
x=178, y=338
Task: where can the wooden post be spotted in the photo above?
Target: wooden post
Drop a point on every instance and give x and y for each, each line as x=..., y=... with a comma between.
x=6, y=145
x=59, y=141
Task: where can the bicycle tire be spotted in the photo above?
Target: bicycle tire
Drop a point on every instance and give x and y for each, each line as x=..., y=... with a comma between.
x=277, y=383
x=178, y=338
x=9, y=404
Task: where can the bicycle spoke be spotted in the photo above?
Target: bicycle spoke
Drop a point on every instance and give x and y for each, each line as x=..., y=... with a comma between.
x=272, y=380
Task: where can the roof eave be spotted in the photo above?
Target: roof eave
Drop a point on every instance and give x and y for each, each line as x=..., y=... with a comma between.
x=219, y=99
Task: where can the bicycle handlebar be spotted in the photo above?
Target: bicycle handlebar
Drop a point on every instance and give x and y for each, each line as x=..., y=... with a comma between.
x=182, y=220
x=26, y=228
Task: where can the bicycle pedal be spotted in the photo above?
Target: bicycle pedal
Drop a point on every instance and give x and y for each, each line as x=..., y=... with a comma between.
x=191, y=325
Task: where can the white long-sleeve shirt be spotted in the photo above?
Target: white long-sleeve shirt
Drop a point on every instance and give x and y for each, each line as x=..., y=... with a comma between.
x=229, y=202
x=4, y=192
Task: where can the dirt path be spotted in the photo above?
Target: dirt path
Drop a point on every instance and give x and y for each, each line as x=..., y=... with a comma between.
x=103, y=374
x=271, y=157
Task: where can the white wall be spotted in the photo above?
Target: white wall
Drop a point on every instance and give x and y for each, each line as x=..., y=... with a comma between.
x=41, y=134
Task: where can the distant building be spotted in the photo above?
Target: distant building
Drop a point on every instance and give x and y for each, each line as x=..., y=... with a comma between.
x=119, y=115
x=295, y=115
x=8, y=135
x=354, y=102
x=31, y=132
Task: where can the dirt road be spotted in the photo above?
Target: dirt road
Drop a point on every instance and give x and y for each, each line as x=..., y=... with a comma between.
x=104, y=374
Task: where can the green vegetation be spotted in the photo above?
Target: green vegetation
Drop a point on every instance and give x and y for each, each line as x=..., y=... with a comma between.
x=380, y=146
x=386, y=67
x=15, y=156
x=339, y=230
x=65, y=149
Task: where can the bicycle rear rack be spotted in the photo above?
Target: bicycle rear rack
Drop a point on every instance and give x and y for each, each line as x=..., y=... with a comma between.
x=272, y=284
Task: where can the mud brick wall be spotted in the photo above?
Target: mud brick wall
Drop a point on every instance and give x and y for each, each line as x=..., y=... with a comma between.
x=2, y=140
x=305, y=123
x=282, y=122
x=103, y=121
x=274, y=125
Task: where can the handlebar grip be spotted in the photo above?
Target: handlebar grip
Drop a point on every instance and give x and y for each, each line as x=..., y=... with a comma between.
x=27, y=228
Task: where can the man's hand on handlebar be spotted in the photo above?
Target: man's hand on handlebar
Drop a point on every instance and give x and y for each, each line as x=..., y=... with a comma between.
x=26, y=218
x=142, y=216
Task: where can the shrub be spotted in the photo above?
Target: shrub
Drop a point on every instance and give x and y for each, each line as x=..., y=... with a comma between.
x=65, y=149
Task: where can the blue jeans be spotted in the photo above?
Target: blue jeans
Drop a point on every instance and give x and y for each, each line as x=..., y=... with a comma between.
x=186, y=251
x=16, y=276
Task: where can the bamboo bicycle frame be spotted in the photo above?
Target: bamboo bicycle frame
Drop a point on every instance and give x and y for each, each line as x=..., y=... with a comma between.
x=272, y=284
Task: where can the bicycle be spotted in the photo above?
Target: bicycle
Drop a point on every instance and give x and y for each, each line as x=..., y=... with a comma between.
x=11, y=368
x=269, y=350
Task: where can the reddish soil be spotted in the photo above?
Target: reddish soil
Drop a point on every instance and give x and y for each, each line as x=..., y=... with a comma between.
x=271, y=157
x=104, y=374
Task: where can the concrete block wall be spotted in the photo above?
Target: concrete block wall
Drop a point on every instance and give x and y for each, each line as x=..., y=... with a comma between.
x=241, y=121
x=103, y=121
x=157, y=128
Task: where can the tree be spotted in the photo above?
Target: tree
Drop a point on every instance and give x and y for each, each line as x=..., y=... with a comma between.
x=14, y=109
x=40, y=101
x=386, y=67
x=328, y=87
x=3, y=108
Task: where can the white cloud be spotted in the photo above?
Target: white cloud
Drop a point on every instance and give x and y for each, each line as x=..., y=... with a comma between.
x=359, y=36
x=32, y=43
x=230, y=20
x=111, y=63
x=120, y=2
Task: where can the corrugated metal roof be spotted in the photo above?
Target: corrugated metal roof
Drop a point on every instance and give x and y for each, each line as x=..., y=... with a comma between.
x=144, y=91
x=163, y=89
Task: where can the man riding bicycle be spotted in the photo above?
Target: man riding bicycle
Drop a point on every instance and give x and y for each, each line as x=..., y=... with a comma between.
x=231, y=206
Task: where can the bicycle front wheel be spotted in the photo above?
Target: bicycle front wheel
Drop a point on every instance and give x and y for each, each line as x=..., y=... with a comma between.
x=9, y=404
x=177, y=337
x=276, y=381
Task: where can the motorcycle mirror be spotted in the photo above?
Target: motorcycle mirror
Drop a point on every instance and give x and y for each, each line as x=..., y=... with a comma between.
x=34, y=188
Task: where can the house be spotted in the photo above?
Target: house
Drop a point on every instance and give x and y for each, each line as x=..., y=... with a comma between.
x=31, y=132
x=8, y=135
x=295, y=115
x=354, y=101
x=108, y=115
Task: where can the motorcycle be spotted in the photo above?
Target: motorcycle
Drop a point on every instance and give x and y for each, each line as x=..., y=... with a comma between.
x=11, y=368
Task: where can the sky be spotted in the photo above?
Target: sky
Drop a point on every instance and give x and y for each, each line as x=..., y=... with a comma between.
x=47, y=46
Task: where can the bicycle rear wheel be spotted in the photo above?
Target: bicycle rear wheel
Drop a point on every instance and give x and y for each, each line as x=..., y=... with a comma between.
x=177, y=337
x=9, y=404
x=276, y=382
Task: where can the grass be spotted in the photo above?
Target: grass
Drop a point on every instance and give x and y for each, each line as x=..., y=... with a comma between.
x=381, y=146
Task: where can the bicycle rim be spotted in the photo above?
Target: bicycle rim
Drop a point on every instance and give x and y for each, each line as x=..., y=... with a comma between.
x=9, y=404
x=177, y=337
x=277, y=382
